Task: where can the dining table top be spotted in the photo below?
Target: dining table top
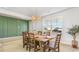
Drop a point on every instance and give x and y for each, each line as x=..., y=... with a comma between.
x=43, y=38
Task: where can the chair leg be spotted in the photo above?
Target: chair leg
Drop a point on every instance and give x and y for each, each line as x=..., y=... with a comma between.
x=26, y=47
x=23, y=45
x=35, y=47
x=29, y=48
x=44, y=48
x=58, y=49
x=49, y=49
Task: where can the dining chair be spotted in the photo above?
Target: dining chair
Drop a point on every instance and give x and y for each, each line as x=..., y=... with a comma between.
x=31, y=41
x=55, y=46
x=25, y=38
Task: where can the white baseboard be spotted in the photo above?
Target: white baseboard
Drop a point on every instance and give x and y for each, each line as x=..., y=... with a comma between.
x=10, y=38
x=64, y=43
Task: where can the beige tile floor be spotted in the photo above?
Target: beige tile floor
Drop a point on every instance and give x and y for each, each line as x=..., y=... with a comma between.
x=16, y=46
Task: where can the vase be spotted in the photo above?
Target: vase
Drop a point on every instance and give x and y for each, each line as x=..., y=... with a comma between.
x=74, y=44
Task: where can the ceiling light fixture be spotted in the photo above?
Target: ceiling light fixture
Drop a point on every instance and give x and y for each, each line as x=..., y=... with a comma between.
x=35, y=17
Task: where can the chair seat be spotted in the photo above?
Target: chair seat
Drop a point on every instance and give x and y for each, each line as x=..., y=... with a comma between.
x=52, y=43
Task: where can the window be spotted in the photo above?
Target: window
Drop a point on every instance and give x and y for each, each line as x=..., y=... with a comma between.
x=56, y=22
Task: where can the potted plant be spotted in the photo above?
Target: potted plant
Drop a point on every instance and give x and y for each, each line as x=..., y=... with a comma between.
x=74, y=31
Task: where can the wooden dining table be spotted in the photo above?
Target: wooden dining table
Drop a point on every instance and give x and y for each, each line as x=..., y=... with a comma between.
x=43, y=41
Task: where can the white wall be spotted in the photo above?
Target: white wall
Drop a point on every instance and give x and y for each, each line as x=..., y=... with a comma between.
x=70, y=17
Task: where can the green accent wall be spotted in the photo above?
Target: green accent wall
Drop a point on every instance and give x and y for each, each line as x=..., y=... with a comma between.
x=10, y=27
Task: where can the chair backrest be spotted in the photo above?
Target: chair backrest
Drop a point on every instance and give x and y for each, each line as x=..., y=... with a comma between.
x=57, y=41
x=25, y=36
x=31, y=37
x=39, y=32
x=48, y=33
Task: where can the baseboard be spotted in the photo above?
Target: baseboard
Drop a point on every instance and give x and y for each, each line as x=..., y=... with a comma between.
x=10, y=39
x=63, y=43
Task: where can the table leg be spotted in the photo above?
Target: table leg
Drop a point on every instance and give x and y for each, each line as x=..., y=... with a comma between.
x=35, y=46
x=45, y=45
x=44, y=48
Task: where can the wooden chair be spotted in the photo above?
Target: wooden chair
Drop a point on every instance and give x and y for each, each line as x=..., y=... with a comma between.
x=55, y=46
x=24, y=34
x=31, y=41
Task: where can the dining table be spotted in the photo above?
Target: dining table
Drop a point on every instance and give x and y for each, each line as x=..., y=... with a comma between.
x=43, y=41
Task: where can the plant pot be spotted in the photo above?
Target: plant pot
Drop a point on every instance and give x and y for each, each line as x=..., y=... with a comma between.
x=74, y=44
